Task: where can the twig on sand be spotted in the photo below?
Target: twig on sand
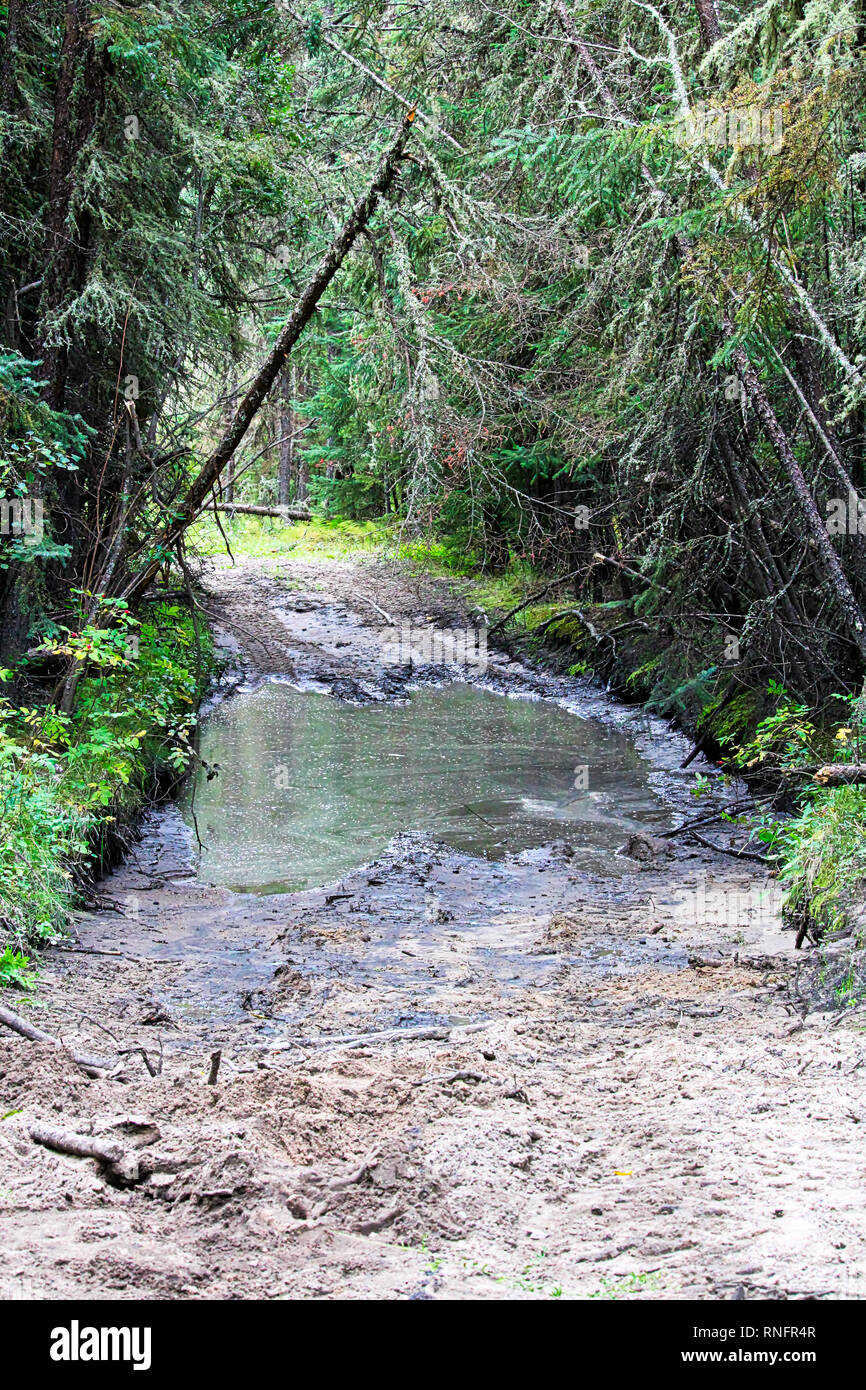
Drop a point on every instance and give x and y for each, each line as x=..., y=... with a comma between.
x=128, y=1051
x=120, y=955
x=735, y=853
x=735, y=808
x=452, y=1076
x=381, y=611
x=422, y=1034
x=131, y=1051
x=93, y=1066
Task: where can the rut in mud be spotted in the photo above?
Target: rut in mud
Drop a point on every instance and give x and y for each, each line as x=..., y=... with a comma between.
x=554, y=1071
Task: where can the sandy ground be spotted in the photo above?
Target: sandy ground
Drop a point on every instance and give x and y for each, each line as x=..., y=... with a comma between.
x=600, y=1085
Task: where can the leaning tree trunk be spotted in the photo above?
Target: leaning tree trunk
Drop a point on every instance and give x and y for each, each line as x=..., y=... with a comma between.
x=818, y=536
x=274, y=363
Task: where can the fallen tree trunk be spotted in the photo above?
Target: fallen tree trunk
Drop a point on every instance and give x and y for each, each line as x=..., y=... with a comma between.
x=192, y=504
x=830, y=775
x=841, y=775
x=286, y=513
x=78, y=1145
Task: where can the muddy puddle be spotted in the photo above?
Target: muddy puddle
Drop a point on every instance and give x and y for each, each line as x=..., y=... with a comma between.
x=367, y=848
x=308, y=788
x=401, y=855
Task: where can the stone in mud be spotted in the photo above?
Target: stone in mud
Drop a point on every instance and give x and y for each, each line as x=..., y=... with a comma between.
x=156, y=1012
x=647, y=848
x=350, y=691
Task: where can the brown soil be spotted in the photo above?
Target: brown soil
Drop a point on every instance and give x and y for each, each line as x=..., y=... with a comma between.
x=597, y=1092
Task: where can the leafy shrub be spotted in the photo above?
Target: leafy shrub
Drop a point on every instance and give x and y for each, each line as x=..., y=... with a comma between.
x=64, y=780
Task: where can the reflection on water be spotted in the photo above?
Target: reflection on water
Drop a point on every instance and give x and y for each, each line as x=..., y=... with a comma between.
x=309, y=788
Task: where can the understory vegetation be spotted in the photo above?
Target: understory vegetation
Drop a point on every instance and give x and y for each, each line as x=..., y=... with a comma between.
x=564, y=299
x=71, y=786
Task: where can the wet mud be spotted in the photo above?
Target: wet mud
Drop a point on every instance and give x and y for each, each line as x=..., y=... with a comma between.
x=454, y=1069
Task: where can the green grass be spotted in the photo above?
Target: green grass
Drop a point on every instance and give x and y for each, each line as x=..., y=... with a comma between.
x=821, y=847
x=265, y=537
x=629, y=1284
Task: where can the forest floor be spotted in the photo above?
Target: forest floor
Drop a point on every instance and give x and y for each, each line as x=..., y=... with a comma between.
x=603, y=1085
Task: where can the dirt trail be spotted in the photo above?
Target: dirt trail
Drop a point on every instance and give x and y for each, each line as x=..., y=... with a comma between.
x=600, y=1085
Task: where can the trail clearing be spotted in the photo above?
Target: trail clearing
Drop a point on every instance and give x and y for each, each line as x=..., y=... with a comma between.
x=442, y=1076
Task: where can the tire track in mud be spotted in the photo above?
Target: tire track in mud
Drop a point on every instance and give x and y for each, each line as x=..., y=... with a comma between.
x=608, y=1089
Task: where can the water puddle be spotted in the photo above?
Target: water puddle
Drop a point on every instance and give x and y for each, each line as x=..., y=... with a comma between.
x=310, y=788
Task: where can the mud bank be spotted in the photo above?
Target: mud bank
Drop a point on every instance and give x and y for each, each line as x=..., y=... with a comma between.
x=440, y=1075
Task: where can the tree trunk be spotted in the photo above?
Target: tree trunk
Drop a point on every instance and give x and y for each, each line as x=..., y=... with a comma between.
x=711, y=29
x=287, y=481
x=302, y=456
x=841, y=775
x=10, y=94
x=77, y=101
x=819, y=538
x=228, y=489
x=248, y=509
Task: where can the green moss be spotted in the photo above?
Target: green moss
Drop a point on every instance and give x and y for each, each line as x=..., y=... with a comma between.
x=641, y=681
x=736, y=722
x=571, y=630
